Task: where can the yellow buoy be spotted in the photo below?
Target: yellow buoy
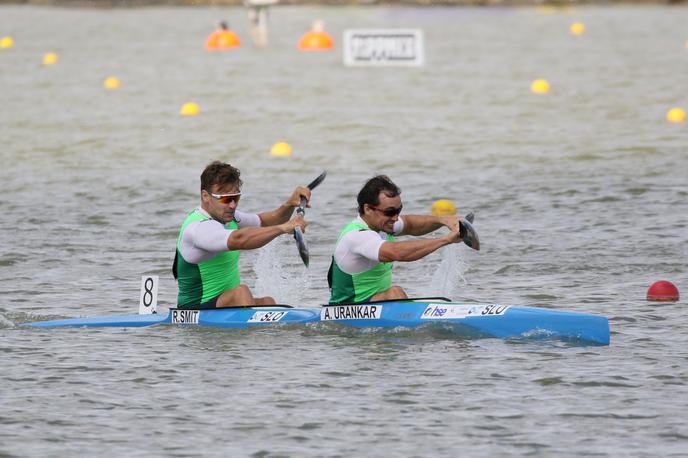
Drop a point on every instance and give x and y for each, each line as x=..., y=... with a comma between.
x=6, y=43
x=281, y=149
x=443, y=207
x=577, y=28
x=50, y=58
x=111, y=83
x=676, y=115
x=189, y=109
x=539, y=86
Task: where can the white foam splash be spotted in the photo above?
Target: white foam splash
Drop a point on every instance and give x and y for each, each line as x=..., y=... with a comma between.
x=449, y=273
x=275, y=276
x=6, y=322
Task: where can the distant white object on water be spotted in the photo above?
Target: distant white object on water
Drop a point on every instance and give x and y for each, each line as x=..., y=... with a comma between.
x=383, y=47
x=258, y=20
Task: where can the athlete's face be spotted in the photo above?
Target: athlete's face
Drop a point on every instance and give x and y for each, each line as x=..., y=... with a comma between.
x=382, y=217
x=221, y=202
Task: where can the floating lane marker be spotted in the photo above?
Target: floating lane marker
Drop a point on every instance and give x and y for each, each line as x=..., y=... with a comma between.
x=316, y=39
x=662, y=291
x=111, y=83
x=8, y=42
x=443, y=207
x=222, y=40
x=281, y=149
x=189, y=109
x=577, y=28
x=539, y=86
x=676, y=116
x=50, y=58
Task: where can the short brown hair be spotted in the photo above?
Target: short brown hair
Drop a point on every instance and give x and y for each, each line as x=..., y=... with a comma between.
x=219, y=173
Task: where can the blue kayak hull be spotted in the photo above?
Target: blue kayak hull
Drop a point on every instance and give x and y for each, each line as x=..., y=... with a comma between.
x=484, y=320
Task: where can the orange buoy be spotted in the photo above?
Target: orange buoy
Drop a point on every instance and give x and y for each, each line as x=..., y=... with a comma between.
x=222, y=39
x=662, y=291
x=316, y=39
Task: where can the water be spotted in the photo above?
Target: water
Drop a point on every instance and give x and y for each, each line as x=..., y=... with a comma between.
x=580, y=199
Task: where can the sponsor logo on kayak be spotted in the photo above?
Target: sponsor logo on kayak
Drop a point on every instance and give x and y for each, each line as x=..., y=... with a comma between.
x=443, y=312
x=267, y=317
x=351, y=312
x=185, y=316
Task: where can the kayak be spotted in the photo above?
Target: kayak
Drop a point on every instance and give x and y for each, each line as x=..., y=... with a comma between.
x=473, y=320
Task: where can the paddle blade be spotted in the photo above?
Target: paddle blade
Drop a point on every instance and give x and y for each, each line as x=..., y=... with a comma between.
x=468, y=234
x=469, y=217
x=301, y=245
x=317, y=181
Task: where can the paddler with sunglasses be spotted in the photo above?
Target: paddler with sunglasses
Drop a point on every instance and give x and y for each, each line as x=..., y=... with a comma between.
x=361, y=268
x=206, y=263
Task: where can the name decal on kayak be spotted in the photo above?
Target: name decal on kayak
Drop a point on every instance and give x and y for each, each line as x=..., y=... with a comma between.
x=267, y=317
x=351, y=312
x=185, y=316
x=443, y=312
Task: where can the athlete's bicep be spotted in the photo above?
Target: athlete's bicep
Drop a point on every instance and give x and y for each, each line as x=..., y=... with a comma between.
x=367, y=244
x=208, y=236
x=357, y=251
x=247, y=219
x=386, y=252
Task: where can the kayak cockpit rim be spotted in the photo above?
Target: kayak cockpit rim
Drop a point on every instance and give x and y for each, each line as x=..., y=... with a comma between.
x=282, y=306
x=409, y=299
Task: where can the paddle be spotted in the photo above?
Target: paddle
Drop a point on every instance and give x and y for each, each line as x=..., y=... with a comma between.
x=301, y=211
x=467, y=233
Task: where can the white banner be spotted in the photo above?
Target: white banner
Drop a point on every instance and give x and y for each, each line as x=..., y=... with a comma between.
x=383, y=47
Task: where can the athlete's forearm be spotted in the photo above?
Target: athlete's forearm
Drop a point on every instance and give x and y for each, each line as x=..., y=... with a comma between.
x=410, y=250
x=421, y=224
x=250, y=238
x=277, y=216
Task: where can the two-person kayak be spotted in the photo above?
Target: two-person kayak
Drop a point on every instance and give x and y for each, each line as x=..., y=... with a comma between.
x=472, y=320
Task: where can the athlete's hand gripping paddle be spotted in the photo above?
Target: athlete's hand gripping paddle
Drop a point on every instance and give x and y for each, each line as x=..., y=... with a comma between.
x=301, y=211
x=467, y=233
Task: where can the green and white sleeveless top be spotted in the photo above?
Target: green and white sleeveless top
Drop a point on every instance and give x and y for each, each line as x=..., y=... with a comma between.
x=358, y=287
x=198, y=283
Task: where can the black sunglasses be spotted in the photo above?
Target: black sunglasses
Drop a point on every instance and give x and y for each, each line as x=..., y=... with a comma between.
x=388, y=212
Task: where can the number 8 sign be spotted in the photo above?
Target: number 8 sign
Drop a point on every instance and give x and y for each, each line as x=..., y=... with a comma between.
x=148, y=302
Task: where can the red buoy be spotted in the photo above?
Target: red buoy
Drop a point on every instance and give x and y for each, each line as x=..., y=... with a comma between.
x=662, y=291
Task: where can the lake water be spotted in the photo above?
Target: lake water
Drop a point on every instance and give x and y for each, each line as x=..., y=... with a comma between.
x=580, y=196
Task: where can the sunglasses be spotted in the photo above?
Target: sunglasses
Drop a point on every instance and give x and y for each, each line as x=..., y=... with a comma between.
x=226, y=198
x=388, y=212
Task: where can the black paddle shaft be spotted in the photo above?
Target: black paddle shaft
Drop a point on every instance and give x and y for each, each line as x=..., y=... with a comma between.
x=301, y=210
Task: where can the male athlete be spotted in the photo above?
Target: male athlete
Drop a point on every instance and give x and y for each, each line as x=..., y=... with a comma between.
x=206, y=263
x=361, y=269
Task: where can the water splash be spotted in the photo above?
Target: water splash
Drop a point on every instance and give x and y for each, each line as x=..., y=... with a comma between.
x=6, y=322
x=449, y=273
x=278, y=274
